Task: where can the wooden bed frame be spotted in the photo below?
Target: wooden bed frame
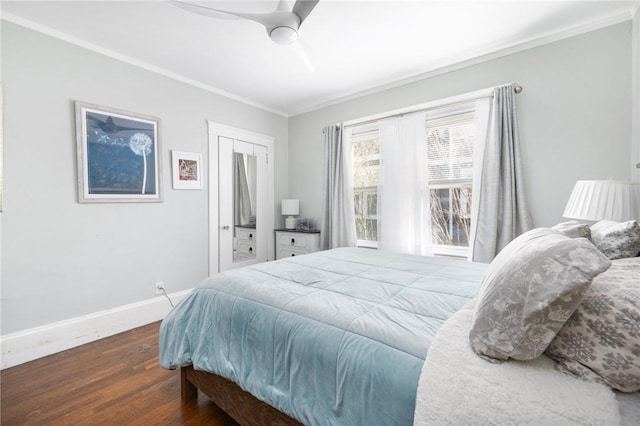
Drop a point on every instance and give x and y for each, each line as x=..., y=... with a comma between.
x=240, y=405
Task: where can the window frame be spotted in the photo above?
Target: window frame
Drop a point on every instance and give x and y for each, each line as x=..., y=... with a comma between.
x=451, y=250
x=437, y=112
x=450, y=116
x=367, y=190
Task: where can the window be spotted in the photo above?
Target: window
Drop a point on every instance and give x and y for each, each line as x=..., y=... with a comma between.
x=449, y=134
x=449, y=139
x=366, y=162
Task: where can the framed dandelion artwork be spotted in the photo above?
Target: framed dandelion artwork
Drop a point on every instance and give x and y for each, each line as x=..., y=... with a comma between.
x=118, y=155
x=187, y=170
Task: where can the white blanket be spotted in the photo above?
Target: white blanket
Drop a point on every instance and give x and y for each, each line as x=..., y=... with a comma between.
x=457, y=387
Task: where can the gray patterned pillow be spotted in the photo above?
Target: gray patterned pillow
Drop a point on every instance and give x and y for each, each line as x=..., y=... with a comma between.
x=574, y=229
x=616, y=240
x=530, y=289
x=601, y=340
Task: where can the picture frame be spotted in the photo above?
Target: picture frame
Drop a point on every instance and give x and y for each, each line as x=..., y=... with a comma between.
x=118, y=155
x=187, y=170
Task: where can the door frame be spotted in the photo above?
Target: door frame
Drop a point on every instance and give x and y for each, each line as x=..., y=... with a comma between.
x=215, y=131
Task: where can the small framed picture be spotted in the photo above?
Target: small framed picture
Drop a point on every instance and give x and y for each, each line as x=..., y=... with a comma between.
x=187, y=170
x=118, y=155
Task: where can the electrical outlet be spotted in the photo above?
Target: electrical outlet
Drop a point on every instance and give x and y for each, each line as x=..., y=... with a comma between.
x=159, y=287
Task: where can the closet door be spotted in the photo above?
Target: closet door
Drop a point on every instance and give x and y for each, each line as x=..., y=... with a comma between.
x=241, y=199
x=242, y=203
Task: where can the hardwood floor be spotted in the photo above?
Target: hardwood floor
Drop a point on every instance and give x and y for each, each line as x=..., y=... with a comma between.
x=113, y=381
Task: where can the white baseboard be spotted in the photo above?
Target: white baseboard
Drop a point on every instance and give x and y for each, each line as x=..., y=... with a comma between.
x=37, y=342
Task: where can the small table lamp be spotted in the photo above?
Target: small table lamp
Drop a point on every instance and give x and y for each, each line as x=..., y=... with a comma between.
x=604, y=200
x=290, y=208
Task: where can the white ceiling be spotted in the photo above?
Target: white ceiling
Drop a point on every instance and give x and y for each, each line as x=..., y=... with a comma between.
x=357, y=46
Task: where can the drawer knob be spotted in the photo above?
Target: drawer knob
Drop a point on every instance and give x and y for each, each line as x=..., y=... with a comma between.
x=293, y=254
x=250, y=249
x=251, y=236
x=293, y=241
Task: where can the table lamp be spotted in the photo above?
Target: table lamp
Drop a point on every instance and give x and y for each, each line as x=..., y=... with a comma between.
x=290, y=208
x=604, y=200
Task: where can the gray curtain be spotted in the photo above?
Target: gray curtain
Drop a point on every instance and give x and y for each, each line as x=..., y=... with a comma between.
x=502, y=212
x=338, y=216
x=242, y=197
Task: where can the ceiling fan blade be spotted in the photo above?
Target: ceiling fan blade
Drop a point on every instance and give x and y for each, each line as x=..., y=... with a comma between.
x=261, y=18
x=303, y=8
x=283, y=6
x=305, y=53
x=203, y=10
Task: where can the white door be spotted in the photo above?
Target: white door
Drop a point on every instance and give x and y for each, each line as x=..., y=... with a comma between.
x=241, y=198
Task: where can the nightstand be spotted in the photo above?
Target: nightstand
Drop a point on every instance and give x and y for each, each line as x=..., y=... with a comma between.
x=290, y=242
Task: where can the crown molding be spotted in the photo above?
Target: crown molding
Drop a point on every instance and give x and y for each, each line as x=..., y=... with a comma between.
x=132, y=61
x=478, y=56
x=452, y=63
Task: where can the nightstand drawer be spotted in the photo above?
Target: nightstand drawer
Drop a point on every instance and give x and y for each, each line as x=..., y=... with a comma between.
x=290, y=239
x=296, y=243
x=287, y=252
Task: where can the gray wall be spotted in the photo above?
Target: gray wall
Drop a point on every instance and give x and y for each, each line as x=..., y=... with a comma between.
x=61, y=259
x=574, y=115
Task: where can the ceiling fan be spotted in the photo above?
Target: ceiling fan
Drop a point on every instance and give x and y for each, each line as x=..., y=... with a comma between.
x=282, y=24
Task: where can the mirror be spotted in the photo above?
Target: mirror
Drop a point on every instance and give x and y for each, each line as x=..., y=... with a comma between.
x=244, y=206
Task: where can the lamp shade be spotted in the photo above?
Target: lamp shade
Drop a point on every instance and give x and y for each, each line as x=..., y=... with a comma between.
x=604, y=200
x=290, y=207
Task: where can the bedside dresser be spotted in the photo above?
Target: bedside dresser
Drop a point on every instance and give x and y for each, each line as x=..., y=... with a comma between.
x=290, y=242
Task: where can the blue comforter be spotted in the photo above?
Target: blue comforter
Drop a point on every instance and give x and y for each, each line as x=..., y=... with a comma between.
x=335, y=337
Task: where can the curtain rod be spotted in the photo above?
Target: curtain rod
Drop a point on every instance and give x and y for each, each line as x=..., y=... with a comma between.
x=430, y=106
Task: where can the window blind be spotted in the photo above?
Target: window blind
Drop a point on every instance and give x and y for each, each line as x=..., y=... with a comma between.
x=450, y=148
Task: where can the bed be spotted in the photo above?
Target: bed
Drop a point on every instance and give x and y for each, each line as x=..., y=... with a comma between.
x=340, y=337
x=325, y=338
